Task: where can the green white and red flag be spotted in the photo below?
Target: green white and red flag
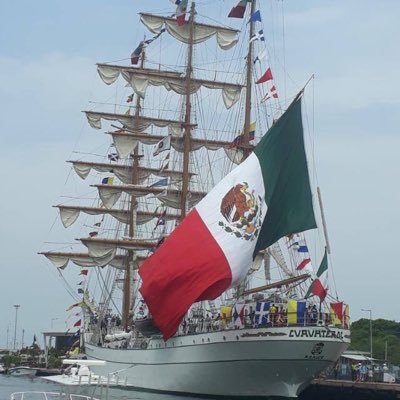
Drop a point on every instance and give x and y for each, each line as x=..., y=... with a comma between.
x=181, y=12
x=266, y=197
x=319, y=286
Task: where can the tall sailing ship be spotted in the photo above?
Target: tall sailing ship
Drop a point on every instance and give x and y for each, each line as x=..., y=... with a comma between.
x=197, y=276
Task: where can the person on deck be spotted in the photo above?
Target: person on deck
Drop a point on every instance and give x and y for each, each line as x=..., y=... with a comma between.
x=363, y=372
x=370, y=374
x=272, y=312
x=353, y=371
x=314, y=314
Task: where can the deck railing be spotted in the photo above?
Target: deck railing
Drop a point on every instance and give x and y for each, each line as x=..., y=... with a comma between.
x=258, y=320
x=253, y=320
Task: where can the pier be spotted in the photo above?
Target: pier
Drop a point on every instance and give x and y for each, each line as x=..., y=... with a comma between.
x=332, y=389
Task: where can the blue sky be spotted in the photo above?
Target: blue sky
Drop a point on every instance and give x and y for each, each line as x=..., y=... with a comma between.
x=48, y=51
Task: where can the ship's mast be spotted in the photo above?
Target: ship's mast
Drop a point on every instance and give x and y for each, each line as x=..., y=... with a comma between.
x=127, y=290
x=131, y=133
x=188, y=109
x=249, y=76
x=245, y=145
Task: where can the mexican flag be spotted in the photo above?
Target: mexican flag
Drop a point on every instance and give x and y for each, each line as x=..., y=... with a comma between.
x=265, y=198
x=319, y=287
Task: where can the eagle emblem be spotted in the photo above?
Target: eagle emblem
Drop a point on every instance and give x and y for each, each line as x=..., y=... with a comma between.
x=241, y=209
x=317, y=349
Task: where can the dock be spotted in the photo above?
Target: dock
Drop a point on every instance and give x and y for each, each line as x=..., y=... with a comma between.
x=332, y=389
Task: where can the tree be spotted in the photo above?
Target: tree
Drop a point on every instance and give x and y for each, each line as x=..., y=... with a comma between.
x=384, y=332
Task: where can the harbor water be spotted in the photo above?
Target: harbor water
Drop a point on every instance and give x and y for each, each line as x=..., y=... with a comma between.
x=10, y=384
x=324, y=390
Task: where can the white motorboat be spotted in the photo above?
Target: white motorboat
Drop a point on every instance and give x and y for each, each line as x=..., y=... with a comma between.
x=79, y=373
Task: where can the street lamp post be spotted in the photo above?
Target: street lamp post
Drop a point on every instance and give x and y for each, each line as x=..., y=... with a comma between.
x=370, y=329
x=53, y=319
x=17, y=306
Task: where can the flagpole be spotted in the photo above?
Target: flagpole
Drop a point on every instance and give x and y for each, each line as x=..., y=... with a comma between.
x=188, y=110
x=321, y=208
x=249, y=72
x=245, y=145
x=127, y=289
x=306, y=84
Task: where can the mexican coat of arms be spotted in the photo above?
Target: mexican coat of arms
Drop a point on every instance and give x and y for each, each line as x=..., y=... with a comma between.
x=241, y=209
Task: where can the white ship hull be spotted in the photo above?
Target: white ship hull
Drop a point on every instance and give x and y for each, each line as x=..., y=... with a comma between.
x=246, y=362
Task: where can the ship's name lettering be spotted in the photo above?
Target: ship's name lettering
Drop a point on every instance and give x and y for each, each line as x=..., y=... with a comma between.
x=321, y=333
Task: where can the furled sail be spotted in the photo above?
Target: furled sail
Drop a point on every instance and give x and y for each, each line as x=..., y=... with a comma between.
x=139, y=79
x=226, y=37
x=140, y=124
x=61, y=259
x=69, y=214
x=125, y=143
x=99, y=247
x=110, y=194
x=123, y=172
x=119, y=261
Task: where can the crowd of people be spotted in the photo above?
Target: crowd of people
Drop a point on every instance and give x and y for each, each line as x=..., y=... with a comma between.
x=107, y=323
x=202, y=322
x=276, y=315
x=363, y=372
